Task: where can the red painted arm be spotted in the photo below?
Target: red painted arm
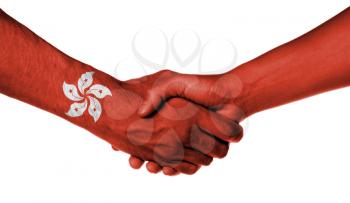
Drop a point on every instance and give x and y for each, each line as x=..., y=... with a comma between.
x=33, y=71
x=316, y=62
x=180, y=138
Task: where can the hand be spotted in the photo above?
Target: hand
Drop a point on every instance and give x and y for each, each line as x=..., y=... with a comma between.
x=180, y=138
x=218, y=92
x=221, y=93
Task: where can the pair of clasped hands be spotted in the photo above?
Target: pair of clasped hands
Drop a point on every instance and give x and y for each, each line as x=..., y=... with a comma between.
x=176, y=122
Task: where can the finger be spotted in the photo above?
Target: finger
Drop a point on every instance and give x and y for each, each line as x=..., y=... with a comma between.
x=169, y=171
x=135, y=162
x=187, y=168
x=207, y=144
x=219, y=126
x=150, y=104
x=169, y=84
x=153, y=167
x=197, y=158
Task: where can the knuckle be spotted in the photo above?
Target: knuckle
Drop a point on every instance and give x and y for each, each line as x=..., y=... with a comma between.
x=207, y=161
x=207, y=145
x=193, y=170
x=165, y=74
x=227, y=130
x=231, y=131
x=236, y=134
x=222, y=152
x=165, y=71
x=238, y=137
x=152, y=93
x=190, y=169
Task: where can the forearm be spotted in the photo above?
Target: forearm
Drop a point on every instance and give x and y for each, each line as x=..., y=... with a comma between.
x=33, y=71
x=313, y=63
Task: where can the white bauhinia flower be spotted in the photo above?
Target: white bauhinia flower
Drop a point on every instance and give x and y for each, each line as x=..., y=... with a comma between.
x=77, y=109
x=95, y=108
x=71, y=92
x=99, y=91
x=85, y=81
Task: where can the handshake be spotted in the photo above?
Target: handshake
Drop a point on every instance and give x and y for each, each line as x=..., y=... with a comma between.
x=175, y=122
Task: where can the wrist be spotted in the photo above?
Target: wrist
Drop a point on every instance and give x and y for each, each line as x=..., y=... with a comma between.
x=81, y=95
x=243, y=86
x=118, y=113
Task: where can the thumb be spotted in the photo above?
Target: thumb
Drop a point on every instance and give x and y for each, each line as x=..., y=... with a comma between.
x=174, y=86
x=150, y=104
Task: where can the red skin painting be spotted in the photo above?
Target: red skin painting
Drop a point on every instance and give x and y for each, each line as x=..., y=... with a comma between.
x=174, y=122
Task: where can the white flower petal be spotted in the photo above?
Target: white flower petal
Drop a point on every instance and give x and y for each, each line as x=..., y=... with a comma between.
x=77, y=109
x=95, y=108
x=99, y=91
x=71, y=92
x=85, y=81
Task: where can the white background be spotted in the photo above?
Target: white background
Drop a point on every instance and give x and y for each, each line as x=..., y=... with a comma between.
x=299, y=152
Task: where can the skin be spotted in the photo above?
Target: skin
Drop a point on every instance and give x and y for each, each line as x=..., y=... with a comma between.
x=225, y=129
x=180, y=138
x=316, y=62
x=191, y=131
x=313, y=63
